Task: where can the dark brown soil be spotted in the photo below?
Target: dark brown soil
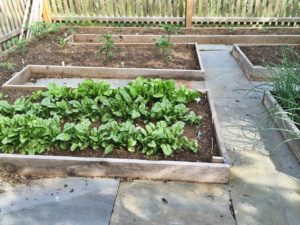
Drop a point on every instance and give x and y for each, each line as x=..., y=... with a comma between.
x=267, y=55
x=185, y=31
x=47, y=52
x=206, y=141
x=13, y=178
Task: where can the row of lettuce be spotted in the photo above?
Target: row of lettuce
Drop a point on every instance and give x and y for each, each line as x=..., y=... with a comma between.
x=147, y=115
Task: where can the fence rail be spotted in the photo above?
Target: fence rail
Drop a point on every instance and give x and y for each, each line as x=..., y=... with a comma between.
x=178, y=11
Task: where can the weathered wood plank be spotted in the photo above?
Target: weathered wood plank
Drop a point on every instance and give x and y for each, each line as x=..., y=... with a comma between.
x=257, y=7
x=175, y=8
x=78, y=8
x=264, y=8
x=106, y=167
x=132, y=8
x=231, y=7
x=54, y=7
x=181, y=13
x=66, y=7
x=9, y=35
x=145, y=8
x=169, y=8
x=295, y=8
x=205, y=8
x=150, y=8
x=285, y=125
x=139, y=8
x=189, y=13
x=218, y=7
x=91, y=39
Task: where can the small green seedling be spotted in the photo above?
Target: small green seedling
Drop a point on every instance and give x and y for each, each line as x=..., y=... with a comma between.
x=165, y=47
x=171, y=29
x=108, y=47
x=8, y=66
x=232, y=30
x=21, y=45
x=61, y=40
x=71, y=30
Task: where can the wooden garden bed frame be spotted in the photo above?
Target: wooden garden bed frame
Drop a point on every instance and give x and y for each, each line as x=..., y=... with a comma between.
x=19, y=79
x=285, y=125
x=93, y=39
x=252, y=72
x=38, y=165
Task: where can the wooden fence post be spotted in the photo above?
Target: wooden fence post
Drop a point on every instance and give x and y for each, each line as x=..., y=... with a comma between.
x=47, y=11
x=189, y=13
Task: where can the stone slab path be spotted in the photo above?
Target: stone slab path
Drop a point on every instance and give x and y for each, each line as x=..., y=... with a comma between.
x=172, y=203
x=264, y=184
x=59, y=201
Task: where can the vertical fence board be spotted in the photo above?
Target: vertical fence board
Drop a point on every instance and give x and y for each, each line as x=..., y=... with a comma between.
x=295, y=9
x=256, y=9
x=218, y=7
x=54, y=7
x=181, y=9
x=139, y=11
x=163, y=8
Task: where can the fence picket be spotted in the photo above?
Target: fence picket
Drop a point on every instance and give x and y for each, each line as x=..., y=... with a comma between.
x=218, y=7
x=181, y=8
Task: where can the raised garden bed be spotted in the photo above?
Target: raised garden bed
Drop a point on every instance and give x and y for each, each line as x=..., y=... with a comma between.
x=46, y=51
x=93, y=39
x=253, y=59
x=209, y=164
x=34, y=77
x=286, y=126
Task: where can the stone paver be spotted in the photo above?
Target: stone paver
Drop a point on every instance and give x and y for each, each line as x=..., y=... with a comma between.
x=172, y=203
x=59, y=201
x=264, y=183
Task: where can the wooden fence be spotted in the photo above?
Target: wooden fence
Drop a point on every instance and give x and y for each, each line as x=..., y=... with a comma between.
x=14, y=16
x=11, y=17
x=178, y=11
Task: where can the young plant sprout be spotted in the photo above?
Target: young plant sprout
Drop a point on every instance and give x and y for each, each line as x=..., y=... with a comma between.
x=165, y=47
x=7, y=66
x=171, y=29
x=108, y=48
x=62, y=41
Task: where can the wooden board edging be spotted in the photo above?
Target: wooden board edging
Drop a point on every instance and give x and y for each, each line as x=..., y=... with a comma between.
x=42, y=165
x=92, y=39
x=285, y=125
x=64, y=27
x=19, y=79
x=252, y=72
x=219, y=138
